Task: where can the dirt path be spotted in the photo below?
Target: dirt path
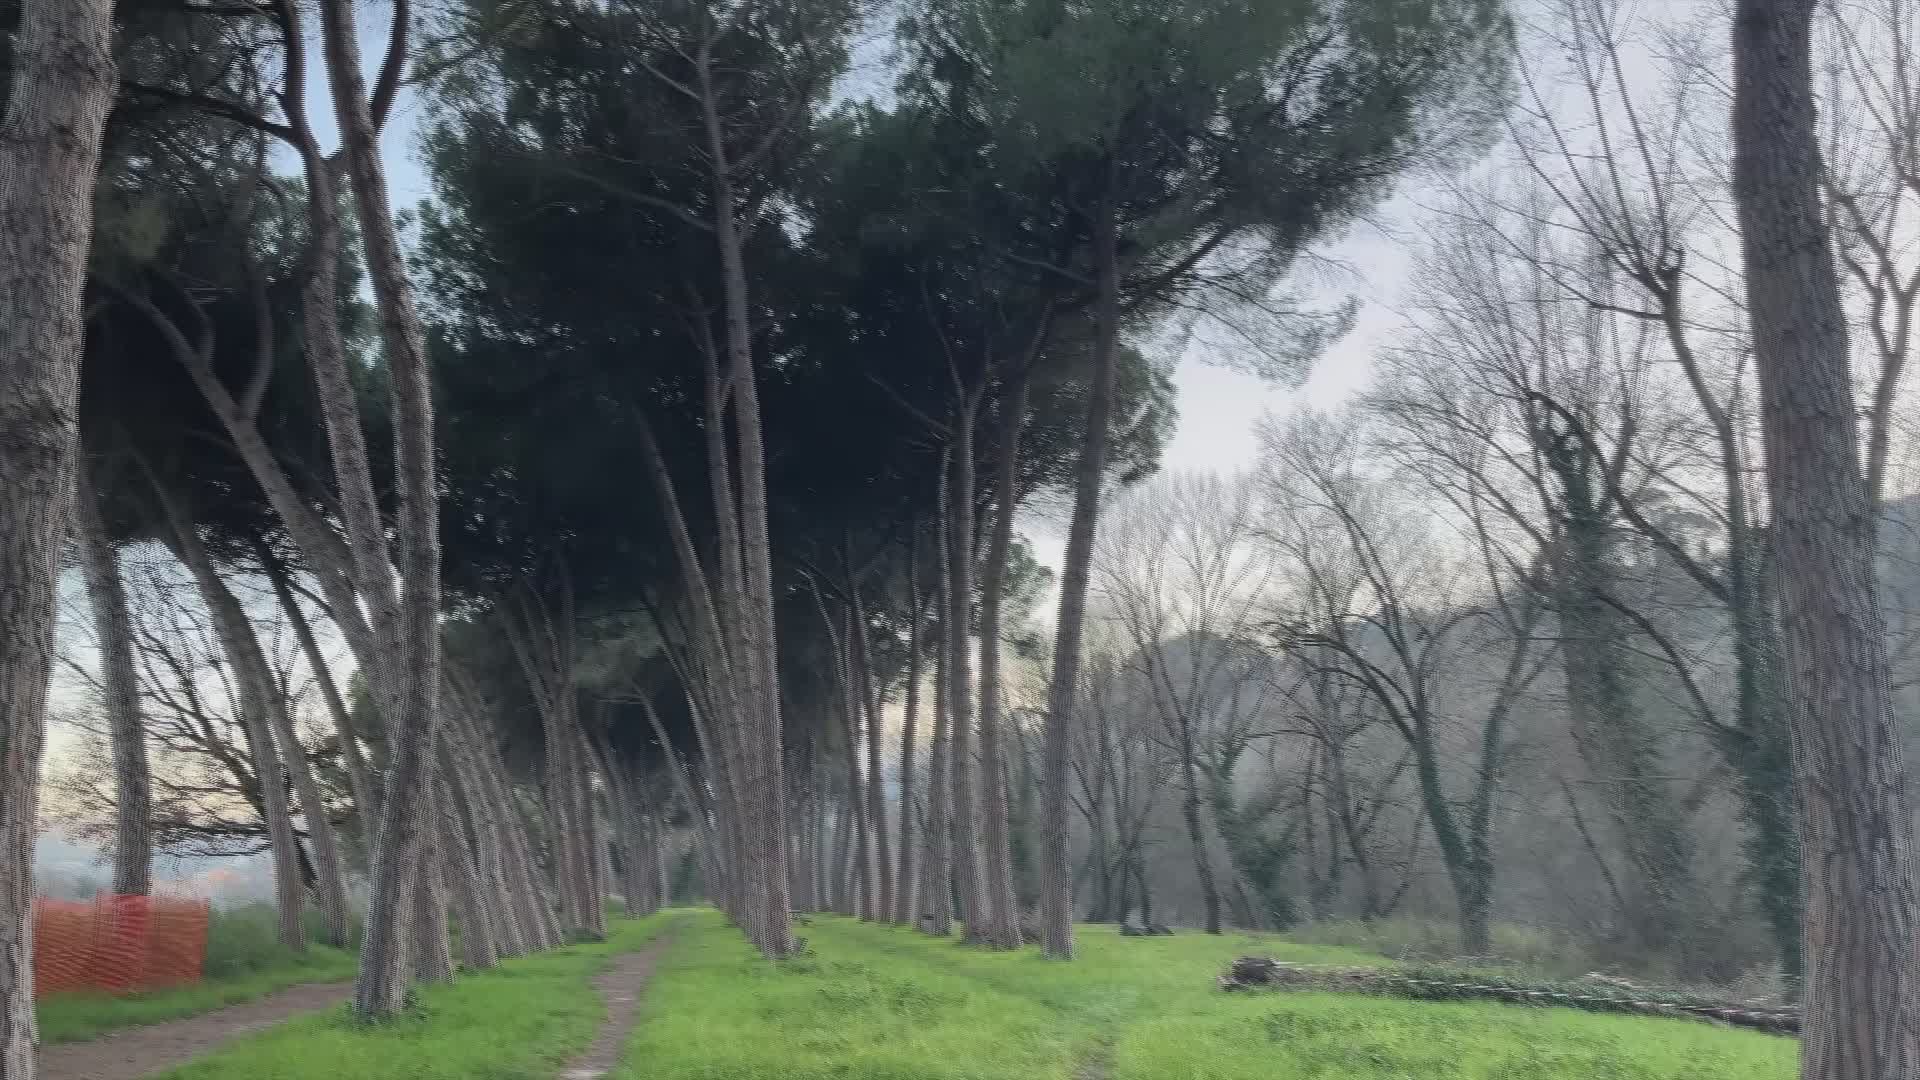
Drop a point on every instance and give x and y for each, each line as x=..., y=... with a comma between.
x=620, y=986
x=139, y=1052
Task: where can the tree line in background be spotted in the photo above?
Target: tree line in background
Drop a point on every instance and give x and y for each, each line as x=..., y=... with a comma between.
x=649, y=513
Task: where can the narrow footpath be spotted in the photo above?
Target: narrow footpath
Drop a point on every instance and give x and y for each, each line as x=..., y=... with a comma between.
x=621, y=986
x=138, y=1052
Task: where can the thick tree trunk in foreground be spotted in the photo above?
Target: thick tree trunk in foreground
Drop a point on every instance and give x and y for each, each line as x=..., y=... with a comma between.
x=1862, y=1001
x=382, y=988
x=63, y=84
x=1003, y=924
x=1056, y=875
x=113, y=630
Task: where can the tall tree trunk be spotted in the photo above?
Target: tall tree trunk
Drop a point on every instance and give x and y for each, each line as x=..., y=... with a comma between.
x=1003, y=926
x=359, y=776
x=63, y=84
x=1056, y=875
x=906, y=878
x=876, y=765
x=762, y=758
x=113, y=629
x=936, y=888
x=480, y=929
x=1861, y=1013
x=238, y=643
x=975, y=914
x=381, y=990
x=324, y=848
x=472, y=815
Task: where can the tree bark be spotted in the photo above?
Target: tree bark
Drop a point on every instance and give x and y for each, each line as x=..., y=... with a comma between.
x=975, y=914
x=359, y=776
x=1003, y=923
x=906, y=878
x=113, y=629
x=62, y=87
x=876, y=765
x=238, y=643
x=936, y=886
x=762, y=757
x=381, y=989
x=1861, y=1011
x=1056, y=875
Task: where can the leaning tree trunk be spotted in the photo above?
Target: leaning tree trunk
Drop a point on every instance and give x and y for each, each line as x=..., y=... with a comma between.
x=760, y=780
x=251, y=665
x=472, y=897
x=1862, y=1005
x=63, y=84
x=975, y=915
x=382, y=988
x=1003, y=924
x=366, y=801
x=1056, y=875
x=256, y=695
x=113, y=627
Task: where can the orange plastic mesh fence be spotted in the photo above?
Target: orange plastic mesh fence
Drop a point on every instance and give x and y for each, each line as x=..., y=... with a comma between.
x=117, y=944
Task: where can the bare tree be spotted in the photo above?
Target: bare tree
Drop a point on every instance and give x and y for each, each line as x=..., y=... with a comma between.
x=1180, y=575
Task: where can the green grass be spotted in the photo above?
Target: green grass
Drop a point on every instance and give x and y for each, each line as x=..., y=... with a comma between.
x=518, y=1022
x=244, y=961
x=875, y=1003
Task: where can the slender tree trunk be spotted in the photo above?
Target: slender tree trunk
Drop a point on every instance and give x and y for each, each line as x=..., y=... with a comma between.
x=1056, y=875
x=769, y=922
x=876, y=765
x=359, y=776
x=113, y=629
x=62, y=87
x=256, y=693
x=1003, y=924
x=1861, y=1012
x=975, y=914
x=381, y=991
x=936, y=888
x=480, y=929
x=906, y=879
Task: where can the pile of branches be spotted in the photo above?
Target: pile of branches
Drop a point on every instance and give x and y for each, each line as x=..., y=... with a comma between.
x=1443, y=984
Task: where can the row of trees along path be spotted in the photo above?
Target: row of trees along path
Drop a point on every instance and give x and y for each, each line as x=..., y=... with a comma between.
x=658, y=237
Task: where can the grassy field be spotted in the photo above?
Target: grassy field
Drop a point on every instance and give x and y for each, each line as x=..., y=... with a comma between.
x=518, y=1022
x=244, y=961
x=877, y=1003
x=874, y=1003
